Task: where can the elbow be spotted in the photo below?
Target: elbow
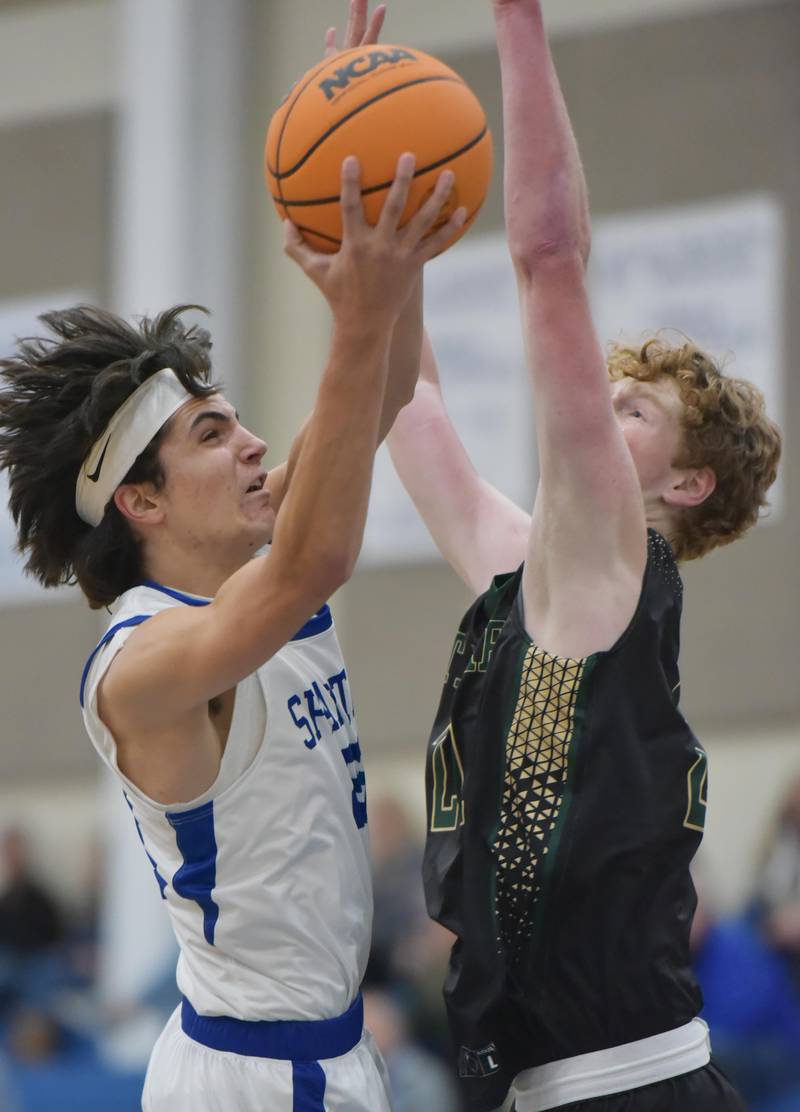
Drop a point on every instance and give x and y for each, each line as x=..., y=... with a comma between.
x=549, y=261
x=331, y=570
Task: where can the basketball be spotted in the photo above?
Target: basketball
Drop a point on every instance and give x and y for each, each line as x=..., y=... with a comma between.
x=375, y=102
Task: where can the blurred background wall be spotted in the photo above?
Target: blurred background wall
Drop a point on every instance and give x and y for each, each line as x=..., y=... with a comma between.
x=131, y=137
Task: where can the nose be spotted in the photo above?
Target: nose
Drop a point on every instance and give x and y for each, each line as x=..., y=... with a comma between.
x=253, y=449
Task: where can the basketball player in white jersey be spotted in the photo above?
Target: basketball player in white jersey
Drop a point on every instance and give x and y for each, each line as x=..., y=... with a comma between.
x=218, y=695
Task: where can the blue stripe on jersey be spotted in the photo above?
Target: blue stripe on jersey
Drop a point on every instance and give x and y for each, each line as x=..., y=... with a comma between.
x=321, y=621
x=162, y=884
x=308, y=1087
x=195, y=879
x=135, y=621
x=190, y=600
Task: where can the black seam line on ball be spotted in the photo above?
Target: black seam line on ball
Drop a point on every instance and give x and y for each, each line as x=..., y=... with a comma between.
x=280, y=175
x=338, y=242
x=386, y=184
x=298, y=93
x=319, y=235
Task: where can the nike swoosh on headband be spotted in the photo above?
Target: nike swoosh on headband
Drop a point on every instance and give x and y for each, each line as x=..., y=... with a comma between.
x=95, y=475
x=126, y=436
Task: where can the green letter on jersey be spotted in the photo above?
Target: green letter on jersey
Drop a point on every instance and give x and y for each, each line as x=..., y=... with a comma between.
x=447, y=806
x=698, y=780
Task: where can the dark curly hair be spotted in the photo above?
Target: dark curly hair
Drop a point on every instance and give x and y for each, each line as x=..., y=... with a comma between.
x=725, y=427
x=58, y=393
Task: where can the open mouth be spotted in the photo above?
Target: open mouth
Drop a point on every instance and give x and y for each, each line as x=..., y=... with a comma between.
x=257, y=484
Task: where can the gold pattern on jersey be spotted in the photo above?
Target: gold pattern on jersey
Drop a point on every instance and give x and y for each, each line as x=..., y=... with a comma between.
x=537, y=760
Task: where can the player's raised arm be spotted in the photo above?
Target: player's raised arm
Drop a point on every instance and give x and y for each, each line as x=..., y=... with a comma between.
x=319, y=530
x=477, y=529
x=588, y=523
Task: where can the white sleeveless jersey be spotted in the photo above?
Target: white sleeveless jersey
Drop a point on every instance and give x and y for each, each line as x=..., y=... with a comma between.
x=265, y=876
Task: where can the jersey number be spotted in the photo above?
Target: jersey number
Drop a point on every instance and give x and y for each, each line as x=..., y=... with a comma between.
x=698, y=784
x=447, y=805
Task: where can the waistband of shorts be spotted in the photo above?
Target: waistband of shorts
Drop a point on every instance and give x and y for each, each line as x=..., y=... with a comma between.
x=615, y=1070
x=292, y=1040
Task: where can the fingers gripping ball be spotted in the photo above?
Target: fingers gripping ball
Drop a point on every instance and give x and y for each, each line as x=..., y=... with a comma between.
x=375, y=102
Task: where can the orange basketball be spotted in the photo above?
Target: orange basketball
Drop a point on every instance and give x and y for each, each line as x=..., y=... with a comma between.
x=375, y=102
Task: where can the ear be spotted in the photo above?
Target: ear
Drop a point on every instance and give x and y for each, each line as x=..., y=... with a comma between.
x=138, y=502
x=693, y=488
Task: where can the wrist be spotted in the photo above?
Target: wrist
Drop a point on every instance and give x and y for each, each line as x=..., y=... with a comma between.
x=367, y=329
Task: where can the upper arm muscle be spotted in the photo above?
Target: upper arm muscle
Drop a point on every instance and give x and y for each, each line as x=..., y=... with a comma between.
x=179, y=659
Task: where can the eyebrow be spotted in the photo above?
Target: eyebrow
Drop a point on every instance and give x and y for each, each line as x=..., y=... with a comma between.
x=210, y=415
x=637, y=394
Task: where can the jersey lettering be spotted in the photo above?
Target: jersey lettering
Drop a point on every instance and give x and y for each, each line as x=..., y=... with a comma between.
x=490, y=635
x=458, y=650
x=447, y=804
x=352, y=755
x=335, y=709
x=697, y=789
x=301, y=721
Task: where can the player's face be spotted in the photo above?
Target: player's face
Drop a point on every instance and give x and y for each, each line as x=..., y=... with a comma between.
x=649, y=415
x=214, y=491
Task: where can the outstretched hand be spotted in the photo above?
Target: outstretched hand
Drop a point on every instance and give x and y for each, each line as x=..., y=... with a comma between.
x=375, y=268
x=360, y=30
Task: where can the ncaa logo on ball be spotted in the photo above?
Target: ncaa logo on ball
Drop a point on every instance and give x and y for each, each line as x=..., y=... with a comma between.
x=362, y=66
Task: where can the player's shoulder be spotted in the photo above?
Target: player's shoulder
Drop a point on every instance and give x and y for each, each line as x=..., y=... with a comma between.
x=151, y=598
x=662, y=567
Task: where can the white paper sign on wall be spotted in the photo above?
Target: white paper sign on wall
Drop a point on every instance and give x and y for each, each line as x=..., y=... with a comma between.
x=714, y=271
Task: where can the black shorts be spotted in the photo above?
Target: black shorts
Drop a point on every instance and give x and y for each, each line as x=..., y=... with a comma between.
x=703, y=1090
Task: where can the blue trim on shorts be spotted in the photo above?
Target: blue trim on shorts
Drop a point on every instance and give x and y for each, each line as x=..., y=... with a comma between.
x=289, y=1040
x=308, y=1087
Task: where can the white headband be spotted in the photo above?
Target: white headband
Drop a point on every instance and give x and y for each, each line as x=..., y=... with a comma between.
x=124, y=438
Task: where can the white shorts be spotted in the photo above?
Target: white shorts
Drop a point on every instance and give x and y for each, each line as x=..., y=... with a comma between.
x=185, y=1076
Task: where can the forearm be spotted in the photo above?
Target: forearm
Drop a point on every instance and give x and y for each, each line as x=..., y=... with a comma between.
x=477, y=530
x=321, y=522
x=404, y=360
x=545, y=191
x=404, y=369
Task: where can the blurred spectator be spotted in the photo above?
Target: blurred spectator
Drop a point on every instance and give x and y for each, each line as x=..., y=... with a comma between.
x=419, y=1081
x=410, y=953
x=29, y=917
x=397, y=880
x=777, y=894
x=31, y=927
x=750, y=1004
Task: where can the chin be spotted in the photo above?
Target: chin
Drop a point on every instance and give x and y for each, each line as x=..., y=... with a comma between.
x=265, y=528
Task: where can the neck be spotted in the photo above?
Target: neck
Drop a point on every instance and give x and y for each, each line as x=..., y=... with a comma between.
x=658, y=516
x=196, y=572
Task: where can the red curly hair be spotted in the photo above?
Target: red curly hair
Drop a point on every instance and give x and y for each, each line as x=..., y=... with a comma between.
x=725, y=427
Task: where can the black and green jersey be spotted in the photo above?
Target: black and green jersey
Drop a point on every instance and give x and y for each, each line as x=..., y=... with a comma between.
x=566, y=799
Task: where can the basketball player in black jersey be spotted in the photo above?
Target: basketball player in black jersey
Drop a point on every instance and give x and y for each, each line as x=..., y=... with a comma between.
x=566, y=792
